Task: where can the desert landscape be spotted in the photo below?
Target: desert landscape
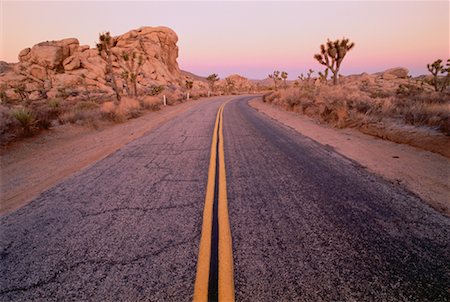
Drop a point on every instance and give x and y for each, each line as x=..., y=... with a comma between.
x=126, y=177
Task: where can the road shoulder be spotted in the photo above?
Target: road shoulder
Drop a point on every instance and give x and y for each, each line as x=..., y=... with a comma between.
x=422, y=172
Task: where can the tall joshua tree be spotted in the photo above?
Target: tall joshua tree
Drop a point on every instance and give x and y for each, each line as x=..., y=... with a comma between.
x=104, y=50
x=131, y=67
x=332, y=53
x=230, y=85
x=276, y=77
x=188, y=84
x=212, y=79
x=437, y=67
x=284, y=76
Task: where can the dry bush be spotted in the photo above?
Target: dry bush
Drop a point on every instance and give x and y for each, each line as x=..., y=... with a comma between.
x=127, y=108
x=109, y=111
x=354, y=105
x=270, y=97
x=86, y=105
x=196, y=94
x=9, y=126
x=152, y=103
x=26, y=119
x=89, y=117
x=174, y=97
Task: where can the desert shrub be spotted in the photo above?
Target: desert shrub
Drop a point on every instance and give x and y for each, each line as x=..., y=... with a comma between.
x=44, y=117
x=196, y=94
x=26, y=119
x=379, y=93
x=151, y=103
x=8, y=125
x=81, y=117
x=127, y=108
x=108, y=110
x=272, y=96
x=432, y=115
x=3, y=96
x=154, y=90
x=407, y=90
x=177, y=96
x=54, y=104
x=86, y=105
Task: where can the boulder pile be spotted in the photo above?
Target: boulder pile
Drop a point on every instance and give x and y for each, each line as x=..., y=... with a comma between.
x=50, y=68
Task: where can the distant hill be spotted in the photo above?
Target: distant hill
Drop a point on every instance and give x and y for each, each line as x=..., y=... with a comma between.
x=193, y=76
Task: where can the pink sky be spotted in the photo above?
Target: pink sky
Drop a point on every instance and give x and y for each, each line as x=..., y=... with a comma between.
x=250, y=38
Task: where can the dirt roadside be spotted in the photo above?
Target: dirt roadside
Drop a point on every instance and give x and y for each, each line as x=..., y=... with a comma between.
x=421, y=172
x=33, y=165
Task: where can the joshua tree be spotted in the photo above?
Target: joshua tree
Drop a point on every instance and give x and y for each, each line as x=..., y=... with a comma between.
x=212, y=79
x=331, y=55
x=276, y=77
x=188, y=84
x=131, y=67
x=309, y=74
x=284, y=76
x=229, y=84
x=106, y=42
x=324, y=76
x=437, y=67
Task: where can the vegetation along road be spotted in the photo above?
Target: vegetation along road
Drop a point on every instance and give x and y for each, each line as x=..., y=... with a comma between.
x=223, y=203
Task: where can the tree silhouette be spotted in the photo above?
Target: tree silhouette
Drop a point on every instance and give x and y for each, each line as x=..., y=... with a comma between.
x=106, y=42
x=212, y=79
x=331, y=55
x=276, y=77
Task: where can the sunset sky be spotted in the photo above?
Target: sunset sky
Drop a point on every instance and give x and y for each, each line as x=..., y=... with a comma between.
x=250, y=38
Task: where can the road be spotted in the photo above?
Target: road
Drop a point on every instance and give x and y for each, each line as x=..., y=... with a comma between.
x=306, y=223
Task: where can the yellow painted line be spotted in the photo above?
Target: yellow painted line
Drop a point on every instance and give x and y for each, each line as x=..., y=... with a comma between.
x=226, y=279
x=204, y=254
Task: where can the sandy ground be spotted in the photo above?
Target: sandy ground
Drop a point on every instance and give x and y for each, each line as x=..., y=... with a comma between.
x=421, y=172
x=33, y=165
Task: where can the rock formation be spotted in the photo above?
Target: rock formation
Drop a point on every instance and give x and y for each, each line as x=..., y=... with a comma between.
x=235, y=83
x=48, y=68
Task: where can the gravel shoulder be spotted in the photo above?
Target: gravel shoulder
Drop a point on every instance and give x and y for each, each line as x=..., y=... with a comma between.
x=33, y=165
x=422, y=172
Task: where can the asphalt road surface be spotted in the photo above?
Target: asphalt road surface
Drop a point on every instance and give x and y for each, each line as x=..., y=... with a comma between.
x=307, y=224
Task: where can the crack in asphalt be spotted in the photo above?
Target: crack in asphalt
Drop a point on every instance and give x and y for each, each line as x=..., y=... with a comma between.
x=98, y=262
x=139, y=209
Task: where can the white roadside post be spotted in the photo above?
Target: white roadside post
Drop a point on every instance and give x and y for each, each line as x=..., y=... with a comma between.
x=164, y=100
x=187, y=96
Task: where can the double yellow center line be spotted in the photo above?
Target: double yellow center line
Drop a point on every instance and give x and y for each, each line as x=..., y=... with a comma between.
x=215, y=229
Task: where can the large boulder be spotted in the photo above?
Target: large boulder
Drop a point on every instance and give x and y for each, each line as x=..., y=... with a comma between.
x=24, y=54
x=47, y=55
x=395, y=73
x=71, y=63
x=38, y=72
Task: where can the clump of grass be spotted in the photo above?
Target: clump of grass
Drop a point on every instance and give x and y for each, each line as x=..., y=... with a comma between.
x=126, y=108
x=81, y=117
x=151, y=103
x=26, y=119
x=54, y=104
x=86, y=105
